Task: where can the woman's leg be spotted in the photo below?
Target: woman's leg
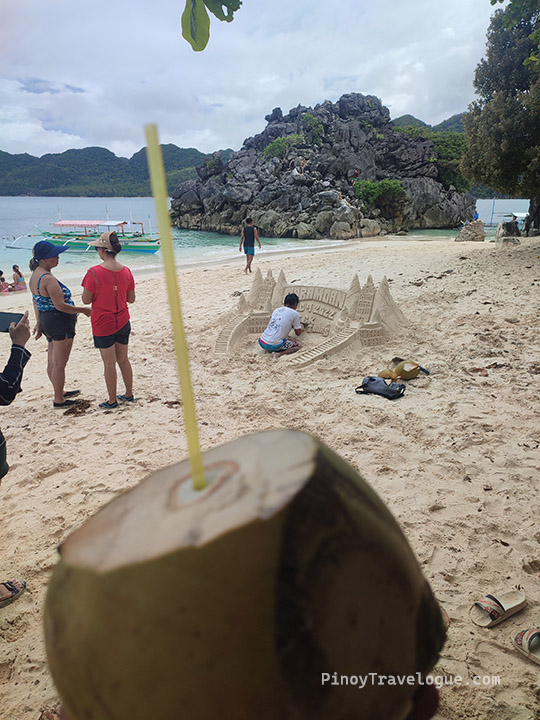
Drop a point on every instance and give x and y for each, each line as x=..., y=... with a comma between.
x=121, y=352
x=108, y=356
x=59, y=352
x=50, y=361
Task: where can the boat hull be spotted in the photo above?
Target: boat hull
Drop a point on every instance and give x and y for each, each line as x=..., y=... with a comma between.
x=81, y=245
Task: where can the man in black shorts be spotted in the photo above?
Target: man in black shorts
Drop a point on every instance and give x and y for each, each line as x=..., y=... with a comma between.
x=247, y=238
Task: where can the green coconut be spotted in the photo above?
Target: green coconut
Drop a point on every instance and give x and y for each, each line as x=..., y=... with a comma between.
x=238, y=601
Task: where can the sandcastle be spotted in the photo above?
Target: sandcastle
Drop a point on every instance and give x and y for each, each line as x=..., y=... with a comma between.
x=366, y=314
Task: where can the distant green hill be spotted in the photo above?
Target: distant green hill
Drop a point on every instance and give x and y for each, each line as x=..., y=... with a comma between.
x=93, y=172
x=453, y=124
x=408, y=121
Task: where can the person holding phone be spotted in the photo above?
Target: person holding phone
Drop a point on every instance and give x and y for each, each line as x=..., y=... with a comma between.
x=110, y=287
x=10, y=379
x=10, y=385
x=56, y=317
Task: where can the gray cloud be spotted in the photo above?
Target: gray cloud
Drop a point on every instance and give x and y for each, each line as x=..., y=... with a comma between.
x=109, y=68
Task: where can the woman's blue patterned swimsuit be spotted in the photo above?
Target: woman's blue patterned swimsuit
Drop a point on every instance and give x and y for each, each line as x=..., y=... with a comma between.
x=45, y=304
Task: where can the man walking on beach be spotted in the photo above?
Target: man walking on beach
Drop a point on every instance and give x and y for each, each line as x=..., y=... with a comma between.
x=247, y=238
x=274, y=339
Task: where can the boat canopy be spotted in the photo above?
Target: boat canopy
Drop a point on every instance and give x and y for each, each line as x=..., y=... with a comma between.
x=89, y=223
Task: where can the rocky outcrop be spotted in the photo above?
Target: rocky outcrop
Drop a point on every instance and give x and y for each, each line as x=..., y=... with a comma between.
x=305, y=188
x=472, y=232
x=507, y=233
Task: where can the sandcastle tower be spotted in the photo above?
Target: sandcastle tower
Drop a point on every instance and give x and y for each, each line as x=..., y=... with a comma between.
x=242, y=307
x=254, y=293
x=279, y=290
x=385, y=310
x=352, y=298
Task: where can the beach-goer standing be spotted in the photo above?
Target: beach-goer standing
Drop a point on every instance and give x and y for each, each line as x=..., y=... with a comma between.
x=109, y=287
x=18, y=279
x=275, y=338
x=10, y=385
x=247, y=238
x=56, y=317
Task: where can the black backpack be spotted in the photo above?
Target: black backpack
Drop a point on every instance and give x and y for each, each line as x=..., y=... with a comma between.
x=379, y=386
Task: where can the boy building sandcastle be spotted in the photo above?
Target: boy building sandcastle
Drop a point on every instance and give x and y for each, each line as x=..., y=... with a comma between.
x=275, y=338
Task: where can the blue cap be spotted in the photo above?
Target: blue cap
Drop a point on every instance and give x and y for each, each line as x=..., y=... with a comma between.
x=43, y=250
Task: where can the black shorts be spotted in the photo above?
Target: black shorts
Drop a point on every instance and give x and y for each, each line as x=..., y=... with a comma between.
x=107, y=341
x=57, y=325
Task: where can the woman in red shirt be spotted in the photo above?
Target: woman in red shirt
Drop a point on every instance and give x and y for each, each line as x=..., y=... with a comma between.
x=109, y=287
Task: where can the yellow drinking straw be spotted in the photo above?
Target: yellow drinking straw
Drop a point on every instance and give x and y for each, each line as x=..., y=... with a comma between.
x=159, y=191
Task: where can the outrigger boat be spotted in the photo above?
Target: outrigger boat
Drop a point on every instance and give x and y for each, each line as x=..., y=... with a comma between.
x=76, y=234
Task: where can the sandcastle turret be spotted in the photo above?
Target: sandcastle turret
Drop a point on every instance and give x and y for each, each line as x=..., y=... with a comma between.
x=242, y=307
x=255, y=291
x=385, y=310
x=352, y=298
x=279, y=289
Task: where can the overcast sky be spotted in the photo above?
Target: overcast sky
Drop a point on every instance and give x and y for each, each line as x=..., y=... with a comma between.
x=92, y=73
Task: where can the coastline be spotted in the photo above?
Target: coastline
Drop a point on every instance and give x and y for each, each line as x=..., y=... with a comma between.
x=456, y=459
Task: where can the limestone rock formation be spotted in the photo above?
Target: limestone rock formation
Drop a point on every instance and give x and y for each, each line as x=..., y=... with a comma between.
x=305, y=187
x=473, y=231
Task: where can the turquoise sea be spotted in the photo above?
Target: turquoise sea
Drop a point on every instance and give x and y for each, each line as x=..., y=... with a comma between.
x=22, y=215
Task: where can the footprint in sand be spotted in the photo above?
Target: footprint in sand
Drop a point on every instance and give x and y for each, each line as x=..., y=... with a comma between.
x=53, y=470
x=531, y=567
x=6, y=670
x=12, y=629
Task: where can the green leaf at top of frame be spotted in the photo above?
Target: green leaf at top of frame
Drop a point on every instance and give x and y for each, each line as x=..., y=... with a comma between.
x=196, y=24
x=216, y=8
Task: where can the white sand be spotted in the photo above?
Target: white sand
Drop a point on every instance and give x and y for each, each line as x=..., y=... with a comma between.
x=456, y=459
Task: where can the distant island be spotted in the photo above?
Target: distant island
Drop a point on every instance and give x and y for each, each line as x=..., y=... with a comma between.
x=97, y=172
x=93, y=172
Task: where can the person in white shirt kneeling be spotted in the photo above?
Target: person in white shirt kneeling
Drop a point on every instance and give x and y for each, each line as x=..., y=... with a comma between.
x=275, y=338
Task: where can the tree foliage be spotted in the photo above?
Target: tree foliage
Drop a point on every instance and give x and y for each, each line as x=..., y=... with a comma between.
x=503, y=126
x=196, y=22
x=516, y=11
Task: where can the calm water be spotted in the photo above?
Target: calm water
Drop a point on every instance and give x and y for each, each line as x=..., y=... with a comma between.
x=22, y=216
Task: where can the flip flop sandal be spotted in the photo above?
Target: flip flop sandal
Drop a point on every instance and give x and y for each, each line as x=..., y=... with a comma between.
x=14, y=590
x=126, y=398
x=107, y=405
x=66, y=403
x=71, y=393
x=490, y=611
x=527, y=642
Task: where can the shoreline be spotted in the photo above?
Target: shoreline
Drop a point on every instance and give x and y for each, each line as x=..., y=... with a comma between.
x=455, y=459
x=390, y=240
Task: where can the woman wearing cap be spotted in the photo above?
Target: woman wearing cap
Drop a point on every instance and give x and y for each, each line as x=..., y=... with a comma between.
x=110, y=287
x=56, y=316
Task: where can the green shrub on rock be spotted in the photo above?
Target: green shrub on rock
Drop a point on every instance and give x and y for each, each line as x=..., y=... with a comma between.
x=281, y=145
x=369, y=191
x=314, y=128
